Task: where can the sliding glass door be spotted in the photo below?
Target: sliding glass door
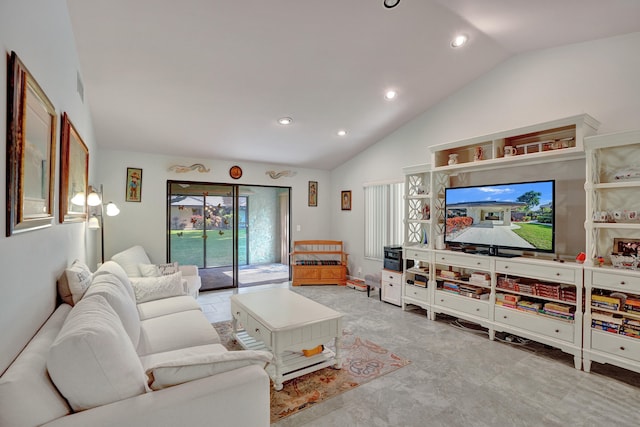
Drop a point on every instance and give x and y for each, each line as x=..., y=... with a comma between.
x=236, y=235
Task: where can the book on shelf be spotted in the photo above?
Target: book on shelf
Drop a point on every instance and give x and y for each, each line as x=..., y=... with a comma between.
x=449, y=274
x=559, y=308
x=606, y=317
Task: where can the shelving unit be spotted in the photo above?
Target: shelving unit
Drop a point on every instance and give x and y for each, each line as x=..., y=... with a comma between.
x=415, y=283
x=551, y=141
x=608, y=202
x=418, y=201
x=611, y=326
x=541, y=300
x=454, y=291
x=611, y=202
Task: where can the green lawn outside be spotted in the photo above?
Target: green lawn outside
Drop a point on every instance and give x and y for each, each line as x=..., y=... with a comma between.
x=187, y=247
x=538, y=235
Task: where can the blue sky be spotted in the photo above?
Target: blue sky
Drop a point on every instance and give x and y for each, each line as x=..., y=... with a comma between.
x=501, y=192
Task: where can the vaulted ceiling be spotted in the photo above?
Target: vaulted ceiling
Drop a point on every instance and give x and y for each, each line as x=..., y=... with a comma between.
x=210, y=78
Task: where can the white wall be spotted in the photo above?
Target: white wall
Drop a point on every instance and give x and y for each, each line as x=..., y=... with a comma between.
x=599, y=78
x=144, y=223
x=39, y=31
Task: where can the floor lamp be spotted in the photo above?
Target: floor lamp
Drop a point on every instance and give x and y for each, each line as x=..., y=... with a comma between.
x=94, y=199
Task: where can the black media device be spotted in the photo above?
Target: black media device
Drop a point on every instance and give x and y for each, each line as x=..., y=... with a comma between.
x=393, y=258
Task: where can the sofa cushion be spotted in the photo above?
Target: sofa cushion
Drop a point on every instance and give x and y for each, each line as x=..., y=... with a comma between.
x=27, y=395
x=130, y=258
x=111, y=289
x=180, y=366
x=151, y=288
x=114, y=268
x=92, y=361
x=174, y=331
x=73, y=282
x=164, y=306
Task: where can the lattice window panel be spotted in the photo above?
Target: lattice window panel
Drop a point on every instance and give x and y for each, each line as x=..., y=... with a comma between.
x=415, y=233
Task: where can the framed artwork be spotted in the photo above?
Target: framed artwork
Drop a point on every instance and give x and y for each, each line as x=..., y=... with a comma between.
x=134, y=185
x=313, y=193
x=31, y=148
x=622, y=246
x=345, y=199
x=74, y=172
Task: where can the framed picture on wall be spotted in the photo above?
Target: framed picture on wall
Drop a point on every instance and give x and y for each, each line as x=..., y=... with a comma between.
x=31, y=151
x=345, y=199
x=74, y=171
x=313, y=193
x=134, y=185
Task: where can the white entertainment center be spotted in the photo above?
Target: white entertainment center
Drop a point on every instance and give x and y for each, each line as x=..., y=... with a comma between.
x=538, y=296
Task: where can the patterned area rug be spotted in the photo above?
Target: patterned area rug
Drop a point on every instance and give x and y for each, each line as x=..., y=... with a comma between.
x=363, y=361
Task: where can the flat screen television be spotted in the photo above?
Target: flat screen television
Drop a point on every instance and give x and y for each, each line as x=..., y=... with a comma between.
x=519, y=216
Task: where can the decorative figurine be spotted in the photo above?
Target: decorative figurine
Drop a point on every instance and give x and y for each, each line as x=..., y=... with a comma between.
x=453, y=159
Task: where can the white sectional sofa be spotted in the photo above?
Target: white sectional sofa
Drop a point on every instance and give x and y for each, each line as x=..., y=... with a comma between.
x=113, y=361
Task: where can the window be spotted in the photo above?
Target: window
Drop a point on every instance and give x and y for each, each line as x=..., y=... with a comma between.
x=383, y=217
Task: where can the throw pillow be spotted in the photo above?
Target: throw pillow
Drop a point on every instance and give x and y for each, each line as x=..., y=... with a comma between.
x=167, y=269
x=130, y=259
x=149, y=270
x=73, y=283
x=153, y=288
x=92, y=362
x=181, y=370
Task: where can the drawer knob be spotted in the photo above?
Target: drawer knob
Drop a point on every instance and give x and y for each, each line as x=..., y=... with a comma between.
x=504, y=317
x=506, y=266
x=557, y=274
x=477, y=309
x=622, y=348
x=441, y=300
x=257, y=330
x=622, y=282
x=478, y=263
x=391, y=284
x=557, y=331
x=237, y=313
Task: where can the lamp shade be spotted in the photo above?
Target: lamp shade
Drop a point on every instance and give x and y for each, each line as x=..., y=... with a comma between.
x=93, y=199
x=93, y=224
x=112, y=209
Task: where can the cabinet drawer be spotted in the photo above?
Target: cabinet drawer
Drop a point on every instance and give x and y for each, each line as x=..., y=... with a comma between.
x=392, y=277
x=615, y=280
x=258, y=331
x=619, y=345
x=239, y=314
x=462, y=304
x=416, y=292
x=542, y=325
x=417, y=254
x=551, y=272
x=463, y=260
x=391, y=292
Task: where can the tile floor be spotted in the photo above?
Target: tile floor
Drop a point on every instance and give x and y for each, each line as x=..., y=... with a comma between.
x=458, y=377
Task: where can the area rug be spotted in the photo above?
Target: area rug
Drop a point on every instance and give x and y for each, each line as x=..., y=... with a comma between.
x=362, y=362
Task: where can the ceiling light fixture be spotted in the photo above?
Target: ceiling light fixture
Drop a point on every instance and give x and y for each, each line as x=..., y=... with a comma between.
x=390, y=4
x=342, y=132
x=459, y=40
x=285, y=120
x=391, y=94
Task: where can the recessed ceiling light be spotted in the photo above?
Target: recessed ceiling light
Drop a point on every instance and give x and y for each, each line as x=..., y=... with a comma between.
x=342, y=132
x=285, y=120
x=391, y=94
x=459, y=40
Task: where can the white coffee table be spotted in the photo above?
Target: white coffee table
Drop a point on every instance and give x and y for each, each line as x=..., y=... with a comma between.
x=285, y=323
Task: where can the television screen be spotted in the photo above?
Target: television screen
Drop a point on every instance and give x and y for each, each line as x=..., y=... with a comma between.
x=512, y=216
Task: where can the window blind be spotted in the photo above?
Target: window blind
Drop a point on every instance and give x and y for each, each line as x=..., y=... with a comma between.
x=384, y=213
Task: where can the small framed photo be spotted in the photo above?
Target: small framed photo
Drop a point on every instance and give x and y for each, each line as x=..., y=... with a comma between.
x=622, y=246
x=134, y=185
x=313, y=193
x=345, y=199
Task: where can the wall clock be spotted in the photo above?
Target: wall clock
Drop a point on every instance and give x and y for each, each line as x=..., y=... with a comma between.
x=235, y=172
